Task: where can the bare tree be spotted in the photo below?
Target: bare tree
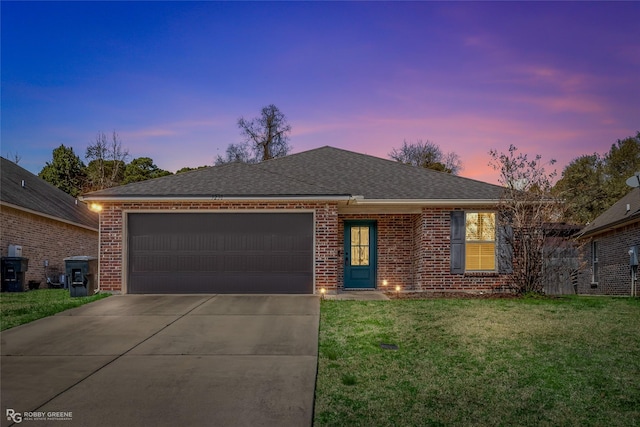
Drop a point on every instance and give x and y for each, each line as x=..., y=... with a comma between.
x=267, y=135
x=529, y=210
x=15, y=157
x=236, y=153
x=107, y=162
x=427, y=154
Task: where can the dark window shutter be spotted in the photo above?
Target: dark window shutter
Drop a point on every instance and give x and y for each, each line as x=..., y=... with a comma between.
x=457, y=242
x=505, y=249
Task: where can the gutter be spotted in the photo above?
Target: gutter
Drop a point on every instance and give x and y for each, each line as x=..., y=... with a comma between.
x=213, y=197
x=609, y=227
x=425, y=202
x=352, y=200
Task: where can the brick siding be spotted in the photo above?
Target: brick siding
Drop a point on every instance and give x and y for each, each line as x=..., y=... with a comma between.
x=432, y=257
x=112, y=228
x=43, y=239
x=394, y=245
x=413, y=249
x=613, y=261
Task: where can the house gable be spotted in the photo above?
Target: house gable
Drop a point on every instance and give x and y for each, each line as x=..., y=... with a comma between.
x=20, y=189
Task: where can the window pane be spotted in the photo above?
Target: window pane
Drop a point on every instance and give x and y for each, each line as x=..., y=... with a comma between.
x=363, y=255
x=355, y=236
x=364, y=235
x=472, y=226
x=480, y=257
x=487, y=226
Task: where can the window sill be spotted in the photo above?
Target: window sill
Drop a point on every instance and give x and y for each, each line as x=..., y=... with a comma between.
x=481, y=273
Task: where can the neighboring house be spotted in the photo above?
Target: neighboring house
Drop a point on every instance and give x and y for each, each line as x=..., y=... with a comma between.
x=324, y=218
x=49, y=224
x=606, y=244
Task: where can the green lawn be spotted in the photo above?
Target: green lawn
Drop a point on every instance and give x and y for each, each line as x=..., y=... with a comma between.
x=571, y=361
x=17, y=308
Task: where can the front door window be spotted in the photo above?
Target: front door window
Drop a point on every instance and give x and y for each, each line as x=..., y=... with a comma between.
x=360, y=245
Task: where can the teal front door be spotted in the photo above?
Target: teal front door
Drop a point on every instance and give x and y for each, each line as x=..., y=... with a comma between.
x=360, y=255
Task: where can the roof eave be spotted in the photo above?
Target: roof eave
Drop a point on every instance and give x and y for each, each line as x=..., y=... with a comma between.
x=214, y=197
x=44, y=215
x=610, y=226
x=426, y=202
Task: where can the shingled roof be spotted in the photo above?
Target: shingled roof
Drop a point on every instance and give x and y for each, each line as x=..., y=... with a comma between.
x=617, y=215
x=40, y=197
x=325, y=171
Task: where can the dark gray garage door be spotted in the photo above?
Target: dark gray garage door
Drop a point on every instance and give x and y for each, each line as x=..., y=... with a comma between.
x=220, y=253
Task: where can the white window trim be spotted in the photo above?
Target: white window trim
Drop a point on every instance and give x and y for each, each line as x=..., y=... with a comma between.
x=495, y=242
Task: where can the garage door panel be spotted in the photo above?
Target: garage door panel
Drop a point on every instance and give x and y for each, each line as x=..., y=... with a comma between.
x=220, y=253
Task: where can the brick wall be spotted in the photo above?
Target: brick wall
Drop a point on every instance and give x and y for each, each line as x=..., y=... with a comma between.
x=44, y=239
x=432, y=257
x=413, y=249
x=112, y=228
x=395, y=248
x=613, y=257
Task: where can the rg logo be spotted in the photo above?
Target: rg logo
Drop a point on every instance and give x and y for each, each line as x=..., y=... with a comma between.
x=14, y=416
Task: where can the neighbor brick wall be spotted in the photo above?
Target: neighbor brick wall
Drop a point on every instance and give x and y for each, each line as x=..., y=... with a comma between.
x=613, y=257
x=112, y=228
x=43, y=239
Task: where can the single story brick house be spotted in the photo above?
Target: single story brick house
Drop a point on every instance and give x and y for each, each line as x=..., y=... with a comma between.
x=321, y=219
x=46, y=222
x=605, y=254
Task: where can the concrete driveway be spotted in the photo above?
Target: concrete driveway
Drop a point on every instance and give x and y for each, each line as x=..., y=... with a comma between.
x=165, y=360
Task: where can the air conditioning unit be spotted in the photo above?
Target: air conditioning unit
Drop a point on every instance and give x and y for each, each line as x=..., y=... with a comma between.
x=15, y=251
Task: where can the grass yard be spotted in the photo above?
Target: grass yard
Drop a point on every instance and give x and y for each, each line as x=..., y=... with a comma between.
x=571, y=361
x=17, y=308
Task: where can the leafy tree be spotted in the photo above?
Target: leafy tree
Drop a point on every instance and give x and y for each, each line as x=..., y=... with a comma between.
x=427, y=154
x=526, y=209
x=622, y=161
x=107, y=160
x=141, y=169
x=582, y=186
x=65, y=171
x=188, y=169
x=265, y=137
x=593, y=183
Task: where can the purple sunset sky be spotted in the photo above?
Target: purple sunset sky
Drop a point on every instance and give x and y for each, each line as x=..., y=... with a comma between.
x=561, y=79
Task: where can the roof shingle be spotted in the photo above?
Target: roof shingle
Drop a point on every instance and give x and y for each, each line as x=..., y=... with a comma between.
x=39, y=196
x=617, y=215
x=325, y=171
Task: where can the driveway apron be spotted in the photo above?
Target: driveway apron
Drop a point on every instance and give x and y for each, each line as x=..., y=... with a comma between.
x=165, y=360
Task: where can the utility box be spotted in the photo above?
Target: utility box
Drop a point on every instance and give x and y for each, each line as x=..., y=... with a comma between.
x=633, y=256
x=13, y=269
x=81, y=275
x=15, y=251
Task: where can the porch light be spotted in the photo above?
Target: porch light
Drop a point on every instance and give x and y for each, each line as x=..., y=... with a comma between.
x=96, y=207
x=397, y=288
x=385, y=283
x=323, y=291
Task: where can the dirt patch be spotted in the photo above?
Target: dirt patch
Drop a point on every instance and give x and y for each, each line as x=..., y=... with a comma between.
x=452, y=295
